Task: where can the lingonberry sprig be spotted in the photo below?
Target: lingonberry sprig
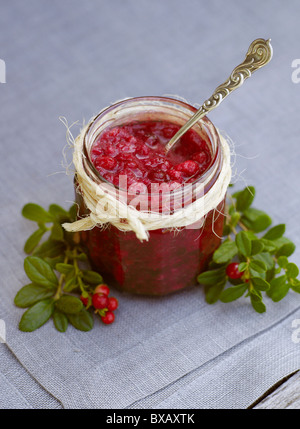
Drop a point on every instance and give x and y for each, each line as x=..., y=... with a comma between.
x=62, y=283
x=253, y=257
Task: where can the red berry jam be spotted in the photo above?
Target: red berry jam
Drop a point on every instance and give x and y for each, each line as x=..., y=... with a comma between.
x=131, y=141
x=136, y=150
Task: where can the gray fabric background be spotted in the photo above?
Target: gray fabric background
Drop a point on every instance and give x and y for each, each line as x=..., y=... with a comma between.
x=73, y=58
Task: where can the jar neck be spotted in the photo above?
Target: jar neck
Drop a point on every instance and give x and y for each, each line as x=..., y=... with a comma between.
x=155, y=109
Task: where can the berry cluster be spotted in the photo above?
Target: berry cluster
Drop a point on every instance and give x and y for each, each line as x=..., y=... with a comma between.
x=103, y=304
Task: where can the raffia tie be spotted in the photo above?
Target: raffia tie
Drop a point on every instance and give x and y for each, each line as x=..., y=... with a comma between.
x=105, y=208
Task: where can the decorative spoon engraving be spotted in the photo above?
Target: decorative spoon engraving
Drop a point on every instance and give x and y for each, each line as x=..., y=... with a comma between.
x=259, y=54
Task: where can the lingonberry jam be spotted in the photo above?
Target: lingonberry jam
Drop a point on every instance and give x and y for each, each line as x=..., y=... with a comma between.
x=137, y=150
x=128, y=139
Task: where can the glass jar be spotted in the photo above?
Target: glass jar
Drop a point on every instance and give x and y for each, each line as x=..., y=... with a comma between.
x=171, y=259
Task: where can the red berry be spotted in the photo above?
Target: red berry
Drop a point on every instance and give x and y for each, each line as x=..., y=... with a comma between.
x=152, y=141
x=188, y=167
x=137, y=188
x=106, y=162
x=108, y=318
x=113, y=303
x=175, y=175
x=97, y=151
x=85, y=301
x=232, y=271
x=142, y=151
x=102, y=289
x=157, y=176
x=125, y=157
x=201, y=157
x=127, y=176
x=127, y=147
x=110, y=177
x=170, y=130
x=99, y=300
x=109, y=149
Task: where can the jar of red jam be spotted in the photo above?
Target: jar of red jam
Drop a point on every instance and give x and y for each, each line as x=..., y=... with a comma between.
x=127, y=139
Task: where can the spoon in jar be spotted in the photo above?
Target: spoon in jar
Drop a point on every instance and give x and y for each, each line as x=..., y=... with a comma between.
x=259, y=54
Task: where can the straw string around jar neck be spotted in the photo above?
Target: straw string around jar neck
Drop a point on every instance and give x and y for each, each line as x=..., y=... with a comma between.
x=106, y=208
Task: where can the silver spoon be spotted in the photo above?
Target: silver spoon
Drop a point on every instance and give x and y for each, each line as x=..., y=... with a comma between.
x=259, y=54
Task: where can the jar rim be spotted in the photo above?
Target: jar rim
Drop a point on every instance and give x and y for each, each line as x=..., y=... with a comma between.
x=159, y=99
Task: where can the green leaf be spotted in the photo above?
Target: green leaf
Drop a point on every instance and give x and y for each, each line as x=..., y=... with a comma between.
x=231, y=210
x=234, y=282
x=91, y=277
x=260, y=283
x=286, y=249
x=280, y=241
x=296, y=286
x=279, y=294
x=64, y=268
x=213, y=265
x=256, y=220
x=34, y=240
x=37, y=315
x=60, y=214
x=266, y=258
x=212, y=293
x=278, y=288
x=235, y=217
x=243, y=266
x=255, y=294
x=39, y=272
x=57, y=233
x=251, y=235
x=211, y=277
x=226, y=230
x=73, y=212
x=69, y=304
x=282, y=261
x=269, y=246
x=60, y=321
x=32, y=293
x=258, y=306
x=275, y=232
x=225, y=252
x=258, y=266
x=268, y=262
x=244, y=198
x=270, y=274
x=82, y=320
x=292, y=271
x=36, y=213
x=82, y=257
x=257, y=247
x=243, y=243
x=233, y=293
x=50, y=249
x=53, y=261
x=71, y=284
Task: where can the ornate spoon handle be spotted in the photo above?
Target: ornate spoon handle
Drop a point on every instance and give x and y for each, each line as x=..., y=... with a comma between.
x=259, y=54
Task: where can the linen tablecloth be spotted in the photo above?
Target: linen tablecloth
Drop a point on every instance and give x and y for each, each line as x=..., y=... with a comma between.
x=72, y=58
